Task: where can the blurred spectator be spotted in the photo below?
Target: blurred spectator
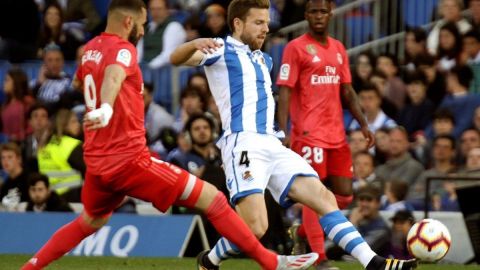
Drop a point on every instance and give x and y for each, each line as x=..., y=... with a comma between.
x=469, y=140
x=442, y=164
x=53, y=31
x=38, y=120
x=357, y=142
x=395, y=194
x=19, y=27
x=476, y=119
x=156, y=119
x=371, y=102
x=52, y=81
x=461, y=103
x=15, y=188
x=14, y=111
x=41, y=198
x=366, y=218
x=402, y=221
x=203, y=160
x=471, y=47
x=364, y=171
x=215, y=23
x=416, y=114
x=415, y=45
x=474, y=6
x=471, y=55
x=400, y=164
x=382, y=145
x=199, y=81
x=162, y=36
x=449, y=47
x=395, y=89
x=436, y=85
x=363, y=69
x=450, y=11
x=191, y=102
x=61, y=159
x=80, y=14
x=294, y=11
x=379, y=79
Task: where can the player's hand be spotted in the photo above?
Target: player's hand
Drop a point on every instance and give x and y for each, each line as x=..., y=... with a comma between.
x=98, y=118
x=368, y=136
x=206, y=45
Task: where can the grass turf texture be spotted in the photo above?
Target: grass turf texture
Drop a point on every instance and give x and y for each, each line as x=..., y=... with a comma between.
x=14, y=262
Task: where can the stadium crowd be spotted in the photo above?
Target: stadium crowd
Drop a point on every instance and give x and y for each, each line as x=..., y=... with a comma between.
x=424, y=110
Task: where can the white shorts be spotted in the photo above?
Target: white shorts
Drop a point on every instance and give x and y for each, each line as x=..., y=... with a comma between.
x=255, y=161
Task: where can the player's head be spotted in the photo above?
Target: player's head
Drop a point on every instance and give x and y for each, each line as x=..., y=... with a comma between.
x=317, y=14
x=248, y=20
x=131, y=15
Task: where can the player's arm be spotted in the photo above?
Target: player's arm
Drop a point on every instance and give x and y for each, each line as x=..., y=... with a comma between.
x=283, y=107
x=350, y=98
x=112, y=82
x=193, y=52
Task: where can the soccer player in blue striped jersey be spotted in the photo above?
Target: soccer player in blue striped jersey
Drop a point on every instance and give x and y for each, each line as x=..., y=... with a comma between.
x=254, y=158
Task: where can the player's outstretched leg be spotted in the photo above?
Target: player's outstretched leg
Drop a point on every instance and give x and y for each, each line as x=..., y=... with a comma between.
x=63, y=240
x=314, y=194
x=215, y=206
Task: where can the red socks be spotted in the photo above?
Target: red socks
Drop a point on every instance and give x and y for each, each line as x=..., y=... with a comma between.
x=343, y=201
x=61, y=242
x=314, y=232
x=232, y=227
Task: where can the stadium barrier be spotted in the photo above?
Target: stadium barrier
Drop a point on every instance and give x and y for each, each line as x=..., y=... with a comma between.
x=124, y=236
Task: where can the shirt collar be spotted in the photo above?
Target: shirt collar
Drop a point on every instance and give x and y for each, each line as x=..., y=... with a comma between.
x=238, y=44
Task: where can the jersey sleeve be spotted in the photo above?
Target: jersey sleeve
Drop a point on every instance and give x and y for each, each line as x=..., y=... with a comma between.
x=211, y=58
x=123, y=55
x=345, y=75
x=290, y=67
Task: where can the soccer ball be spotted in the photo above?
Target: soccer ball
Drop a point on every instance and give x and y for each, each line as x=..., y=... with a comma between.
x=428, y=240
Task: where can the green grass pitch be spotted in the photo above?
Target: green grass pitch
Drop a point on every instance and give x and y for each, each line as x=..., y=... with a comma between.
x=13, y=262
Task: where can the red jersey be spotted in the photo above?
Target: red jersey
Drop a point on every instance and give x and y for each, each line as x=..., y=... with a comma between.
x=315, y=73
x=108, y=149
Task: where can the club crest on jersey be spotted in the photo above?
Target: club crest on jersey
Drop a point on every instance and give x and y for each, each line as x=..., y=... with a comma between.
x=124, y=56
x=339, y=58
x=247, y=176
x=284, y=72
x=311, y=49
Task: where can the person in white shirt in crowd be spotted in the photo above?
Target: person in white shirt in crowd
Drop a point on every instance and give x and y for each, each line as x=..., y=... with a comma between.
x=450, y=11
x=162, y=36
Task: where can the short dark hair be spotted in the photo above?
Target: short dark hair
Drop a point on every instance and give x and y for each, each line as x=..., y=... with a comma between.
x=425, y=59
x=367, y=87
x=443, y=113
x=415, y=77
x=419, y=33
x=473, y=34
x=445, y=137
x=390, y=56
x=34, y=178
x=37, y=106
x=399, y=189
x=149, y=87
x=240, y=9
x=195, y=117
x=463, y=73
x=132, y=5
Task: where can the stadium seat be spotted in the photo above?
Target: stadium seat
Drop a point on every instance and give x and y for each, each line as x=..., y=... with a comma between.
x=359, y=29
x=418, y=13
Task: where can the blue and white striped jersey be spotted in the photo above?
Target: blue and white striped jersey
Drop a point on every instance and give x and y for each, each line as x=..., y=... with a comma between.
x=240, y=83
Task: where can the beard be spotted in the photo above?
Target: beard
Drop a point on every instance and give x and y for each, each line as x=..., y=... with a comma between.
x=133, y=36
x=251, y=41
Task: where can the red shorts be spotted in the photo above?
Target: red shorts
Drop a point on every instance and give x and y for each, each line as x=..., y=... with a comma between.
x=326, y=161
x=145, y=178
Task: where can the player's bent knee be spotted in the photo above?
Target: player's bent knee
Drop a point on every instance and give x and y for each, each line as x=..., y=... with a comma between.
x=258, y=228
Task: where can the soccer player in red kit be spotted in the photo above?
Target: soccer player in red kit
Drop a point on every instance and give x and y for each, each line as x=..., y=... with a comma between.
x=118, y=161
x=313, y=79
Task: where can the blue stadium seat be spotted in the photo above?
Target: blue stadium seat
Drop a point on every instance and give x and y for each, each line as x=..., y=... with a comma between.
x=359, y=29
x=417, y=13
